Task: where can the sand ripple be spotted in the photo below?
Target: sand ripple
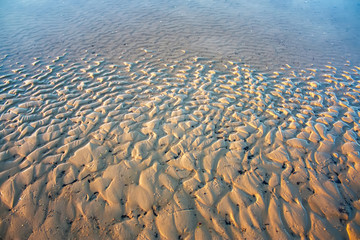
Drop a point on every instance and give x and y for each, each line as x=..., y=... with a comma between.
x=193, y=148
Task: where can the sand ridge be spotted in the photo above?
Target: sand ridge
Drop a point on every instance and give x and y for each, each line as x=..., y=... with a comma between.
x=192, y=148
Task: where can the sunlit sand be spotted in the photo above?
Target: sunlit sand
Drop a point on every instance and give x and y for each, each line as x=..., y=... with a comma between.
x=156, y=119
x=192, y=148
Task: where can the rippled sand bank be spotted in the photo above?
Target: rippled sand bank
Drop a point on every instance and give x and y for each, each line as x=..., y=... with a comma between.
x=192, y=148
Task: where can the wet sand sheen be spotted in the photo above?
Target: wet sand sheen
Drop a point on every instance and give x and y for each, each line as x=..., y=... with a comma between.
x=265, y=34
x=193, y=148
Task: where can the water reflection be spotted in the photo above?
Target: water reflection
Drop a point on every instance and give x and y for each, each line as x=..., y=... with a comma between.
x=262, y=33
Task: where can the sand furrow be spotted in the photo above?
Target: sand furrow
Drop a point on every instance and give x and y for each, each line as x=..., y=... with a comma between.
x=183, y=149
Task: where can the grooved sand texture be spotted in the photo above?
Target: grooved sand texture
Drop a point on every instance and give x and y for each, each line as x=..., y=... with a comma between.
x=192, y=148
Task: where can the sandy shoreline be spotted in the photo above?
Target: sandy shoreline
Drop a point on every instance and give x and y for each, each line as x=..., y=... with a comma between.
x=186, y=149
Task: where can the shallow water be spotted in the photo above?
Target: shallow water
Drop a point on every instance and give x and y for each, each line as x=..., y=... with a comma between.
x=261, y=33
x=179, y=119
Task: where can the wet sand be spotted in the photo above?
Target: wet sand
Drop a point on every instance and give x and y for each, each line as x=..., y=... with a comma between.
x=265, y=34
x=190, y=149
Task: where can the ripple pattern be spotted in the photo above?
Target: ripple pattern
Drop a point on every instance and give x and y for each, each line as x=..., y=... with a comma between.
x=190, y=148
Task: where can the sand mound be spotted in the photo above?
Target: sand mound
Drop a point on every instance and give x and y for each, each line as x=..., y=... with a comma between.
x=186, y=149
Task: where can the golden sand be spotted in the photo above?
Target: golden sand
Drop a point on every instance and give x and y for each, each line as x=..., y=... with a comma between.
x=188, y=149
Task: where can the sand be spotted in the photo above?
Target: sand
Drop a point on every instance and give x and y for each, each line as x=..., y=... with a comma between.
x=185, y=149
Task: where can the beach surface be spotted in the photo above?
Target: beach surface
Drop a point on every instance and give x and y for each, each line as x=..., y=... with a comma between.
x=181, y=120
x=187, y=149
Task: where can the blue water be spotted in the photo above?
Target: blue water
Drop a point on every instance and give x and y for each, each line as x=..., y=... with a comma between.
x=264, y=33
